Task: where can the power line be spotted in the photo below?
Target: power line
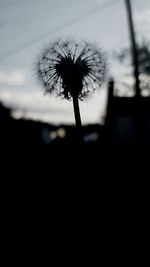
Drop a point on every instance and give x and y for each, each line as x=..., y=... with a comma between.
x=72, y=5
x=9, y=4
x=58, y=28
x=16, y=2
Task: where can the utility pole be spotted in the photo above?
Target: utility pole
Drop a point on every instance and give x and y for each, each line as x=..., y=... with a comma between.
x=133, y=47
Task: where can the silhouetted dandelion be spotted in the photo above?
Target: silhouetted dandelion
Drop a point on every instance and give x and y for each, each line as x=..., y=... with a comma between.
x=71, y=70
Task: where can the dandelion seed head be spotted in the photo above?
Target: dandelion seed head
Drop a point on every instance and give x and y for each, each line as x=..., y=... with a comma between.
x=71, y=69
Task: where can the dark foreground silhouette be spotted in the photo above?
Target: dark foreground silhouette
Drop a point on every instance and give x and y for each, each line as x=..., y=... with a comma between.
x=45, y=171
x=28, y=143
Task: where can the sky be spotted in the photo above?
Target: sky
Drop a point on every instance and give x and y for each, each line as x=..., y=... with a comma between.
x=26, y=26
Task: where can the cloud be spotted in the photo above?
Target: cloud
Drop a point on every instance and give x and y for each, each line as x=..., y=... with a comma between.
x=12, y=78
x=31, y=104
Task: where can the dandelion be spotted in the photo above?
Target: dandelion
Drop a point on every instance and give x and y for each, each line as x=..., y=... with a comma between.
x=71, y=70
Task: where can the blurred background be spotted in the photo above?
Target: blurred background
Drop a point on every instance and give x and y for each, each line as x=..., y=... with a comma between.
x=111, y=114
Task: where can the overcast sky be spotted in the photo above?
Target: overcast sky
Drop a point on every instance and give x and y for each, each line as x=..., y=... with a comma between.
x=28, y=25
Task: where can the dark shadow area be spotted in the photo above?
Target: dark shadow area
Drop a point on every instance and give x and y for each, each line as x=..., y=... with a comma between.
x=42, y=163
x=26, y=137
x=124, y=140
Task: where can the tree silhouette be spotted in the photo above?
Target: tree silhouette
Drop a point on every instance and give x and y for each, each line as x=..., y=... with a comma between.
x=143, y=55
x=71, y=70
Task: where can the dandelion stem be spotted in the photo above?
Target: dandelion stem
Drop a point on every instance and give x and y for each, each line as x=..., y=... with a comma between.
x=77, y=117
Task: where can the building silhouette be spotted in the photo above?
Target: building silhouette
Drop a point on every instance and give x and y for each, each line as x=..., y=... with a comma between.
x=127, y=119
